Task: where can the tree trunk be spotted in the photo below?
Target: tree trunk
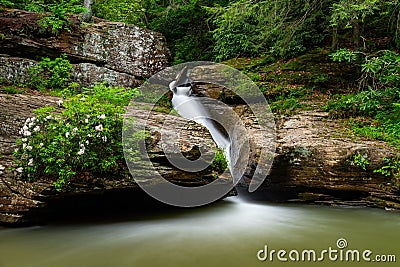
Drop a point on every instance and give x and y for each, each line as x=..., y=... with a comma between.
x=356, y=34
x=87, y=16
x=335, y=38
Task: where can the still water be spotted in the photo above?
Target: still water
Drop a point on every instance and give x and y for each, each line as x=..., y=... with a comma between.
x=228, y=233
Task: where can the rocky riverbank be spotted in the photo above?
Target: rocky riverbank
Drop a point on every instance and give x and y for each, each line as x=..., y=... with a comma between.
x=313, y=164
x=316, y=159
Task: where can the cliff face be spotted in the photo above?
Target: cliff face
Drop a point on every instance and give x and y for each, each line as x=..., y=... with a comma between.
x=120, y=54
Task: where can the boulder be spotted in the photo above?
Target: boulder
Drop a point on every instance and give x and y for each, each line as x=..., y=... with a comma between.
x=120, y=54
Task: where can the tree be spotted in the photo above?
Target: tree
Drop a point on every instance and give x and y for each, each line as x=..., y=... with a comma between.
x=87, y=15
x=349, y=14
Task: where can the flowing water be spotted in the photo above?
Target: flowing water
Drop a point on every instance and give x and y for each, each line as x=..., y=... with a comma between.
x=227, y=233
x=231, y=232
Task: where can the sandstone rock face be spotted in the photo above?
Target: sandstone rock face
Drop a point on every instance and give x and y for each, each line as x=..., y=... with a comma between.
x=314, y=159
x=313, y=164
x=120, y=54
x=24, y=202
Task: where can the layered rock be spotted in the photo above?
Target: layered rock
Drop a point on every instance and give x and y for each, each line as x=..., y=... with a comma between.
x=24, y=202
x=315, y=159
x=313, y=163
x=120, y=54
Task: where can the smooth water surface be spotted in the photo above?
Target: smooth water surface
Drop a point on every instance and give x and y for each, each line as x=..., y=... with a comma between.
x=228, y=233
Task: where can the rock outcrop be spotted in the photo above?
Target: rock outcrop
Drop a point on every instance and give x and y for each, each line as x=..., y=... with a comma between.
x=313, y=164
x=24, y=202
x=315, y=159
x=120, y=54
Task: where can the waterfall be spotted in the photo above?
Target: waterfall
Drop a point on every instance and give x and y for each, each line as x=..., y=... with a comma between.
x=192, y=108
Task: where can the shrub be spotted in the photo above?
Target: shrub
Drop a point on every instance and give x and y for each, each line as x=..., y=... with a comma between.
x=379, y=70
x=219, y=164
x=365, y=103
x=51, y=74
x=54, y=13
x=83, y=139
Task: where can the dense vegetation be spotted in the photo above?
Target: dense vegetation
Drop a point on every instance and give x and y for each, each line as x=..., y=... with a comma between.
x=344, y=53
x=81, y=141
x=223, y=29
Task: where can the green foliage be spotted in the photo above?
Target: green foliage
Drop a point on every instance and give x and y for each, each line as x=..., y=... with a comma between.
x=219, y=163
x=344, y=54
x=83, y=139
x=391, y=167
x=345, y=12
x=6, y=3
x=285, y=106
x=126, y=11
x=51, y=74
x=55, y=13
x=365, y=103
x=283, y=28
x=11, y=89
x=379, y=69
x=359, y=160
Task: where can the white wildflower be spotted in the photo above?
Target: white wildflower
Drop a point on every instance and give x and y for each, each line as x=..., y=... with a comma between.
x=25, y=128
x=20, y=169
x=41, y=144
x=30, y=163
x=89, y=135
x=99, y=128
x=49, y=117
x=36, y=129
x=86, y=120
x=67, y=134
x=104, y=139
x=29, y=148
x=60, y=102
x=75, y=130
x=24, y=140
x=81, y=151
x=27, y=133
x=16, y=150
x=24, y=146
x=87, y=142
x=102, y=116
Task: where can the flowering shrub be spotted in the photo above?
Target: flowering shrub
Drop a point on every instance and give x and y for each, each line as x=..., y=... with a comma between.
x=81, y=141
